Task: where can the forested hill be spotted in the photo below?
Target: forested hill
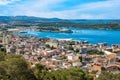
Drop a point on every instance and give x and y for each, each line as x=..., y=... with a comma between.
x=8, y=19
x=29, y=19
x=56, y=22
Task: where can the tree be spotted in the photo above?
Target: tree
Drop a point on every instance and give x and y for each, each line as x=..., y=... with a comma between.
x=108, y=76
x=77, y=74
x=72, y=43
x=40, y=71
x=13, y=56
x=70, y=48
x=2, y=56
x=52, y=47
x=43, y=73
x=3, y=72
x=77, y=50
x=47, y=45
x=15, y=67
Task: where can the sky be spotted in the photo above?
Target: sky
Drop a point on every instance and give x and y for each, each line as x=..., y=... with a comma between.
x=64, y=9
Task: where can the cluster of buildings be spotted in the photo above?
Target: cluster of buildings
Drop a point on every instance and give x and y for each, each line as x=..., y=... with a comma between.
x=63, y=54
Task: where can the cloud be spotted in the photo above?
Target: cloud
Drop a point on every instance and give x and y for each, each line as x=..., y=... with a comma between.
x=5, y=2
x=95, y=10
x=35, y=7
x=104, y=9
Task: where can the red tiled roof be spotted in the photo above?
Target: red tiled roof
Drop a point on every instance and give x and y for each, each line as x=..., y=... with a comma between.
x=96, y=67
x=111, y=56
x=71, y=60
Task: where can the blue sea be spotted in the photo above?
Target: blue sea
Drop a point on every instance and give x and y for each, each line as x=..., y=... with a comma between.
x=91, y=35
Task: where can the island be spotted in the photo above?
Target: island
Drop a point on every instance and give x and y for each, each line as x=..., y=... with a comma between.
x=54, y=29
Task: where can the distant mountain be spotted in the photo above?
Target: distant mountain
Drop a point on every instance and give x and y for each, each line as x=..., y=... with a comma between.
x=93, y=21
x=7, y=19
x=29, y=18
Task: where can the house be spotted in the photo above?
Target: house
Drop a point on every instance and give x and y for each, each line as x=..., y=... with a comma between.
x=114, y=68
x=76, y=64
x=102, y=45
x=54, y=44
x=96, y=68
x=111, y=59
x=73, y=57
x=66, y=65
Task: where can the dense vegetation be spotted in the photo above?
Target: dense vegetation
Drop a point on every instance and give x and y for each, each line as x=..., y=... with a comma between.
x=95, y=52
x=108, y=76
x=55, y=22
x=42, y=73
x=15, y=67
x=110, y=25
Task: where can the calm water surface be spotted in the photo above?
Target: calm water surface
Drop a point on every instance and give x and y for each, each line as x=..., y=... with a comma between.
x=93, y=36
